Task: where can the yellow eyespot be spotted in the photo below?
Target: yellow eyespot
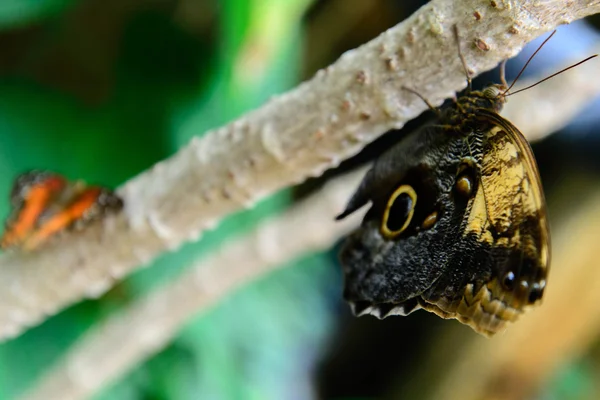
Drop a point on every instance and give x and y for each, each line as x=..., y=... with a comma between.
x=398, y=211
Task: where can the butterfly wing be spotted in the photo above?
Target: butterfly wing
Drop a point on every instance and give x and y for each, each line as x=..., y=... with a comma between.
x=507, y=233
x=386, y=276
x=485, y=256
x=31, y=195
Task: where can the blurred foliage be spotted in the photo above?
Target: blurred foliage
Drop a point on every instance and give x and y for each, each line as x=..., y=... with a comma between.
x=111, y=101
x=103, y=89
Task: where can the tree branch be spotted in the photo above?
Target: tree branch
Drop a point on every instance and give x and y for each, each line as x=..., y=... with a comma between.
x=294, y=136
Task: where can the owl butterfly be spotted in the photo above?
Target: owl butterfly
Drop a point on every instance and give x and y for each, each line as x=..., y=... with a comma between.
x=457, y=224
x=45, y=203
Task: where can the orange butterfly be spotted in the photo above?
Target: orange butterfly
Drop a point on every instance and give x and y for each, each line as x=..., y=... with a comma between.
x=45, y=203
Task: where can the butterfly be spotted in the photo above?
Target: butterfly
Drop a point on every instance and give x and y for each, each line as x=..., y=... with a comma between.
x=457, y=224
x=45, y=203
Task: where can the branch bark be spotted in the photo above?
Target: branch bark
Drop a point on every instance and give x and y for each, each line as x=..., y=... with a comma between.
x=294, y=136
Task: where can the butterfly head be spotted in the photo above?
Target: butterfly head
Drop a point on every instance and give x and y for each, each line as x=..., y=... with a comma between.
x=491, y=98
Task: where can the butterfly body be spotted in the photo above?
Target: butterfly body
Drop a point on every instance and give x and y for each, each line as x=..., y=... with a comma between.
x=457, y=223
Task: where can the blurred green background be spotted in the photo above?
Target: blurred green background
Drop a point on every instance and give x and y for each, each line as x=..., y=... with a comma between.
x=103, y=89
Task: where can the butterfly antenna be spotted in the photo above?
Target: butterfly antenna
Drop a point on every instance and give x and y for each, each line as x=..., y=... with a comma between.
x=432, y=108
x=462, y=58
x=554, y=74
x=527, y=63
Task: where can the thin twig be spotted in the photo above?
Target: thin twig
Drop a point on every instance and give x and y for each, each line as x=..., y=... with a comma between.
x=294, y=136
